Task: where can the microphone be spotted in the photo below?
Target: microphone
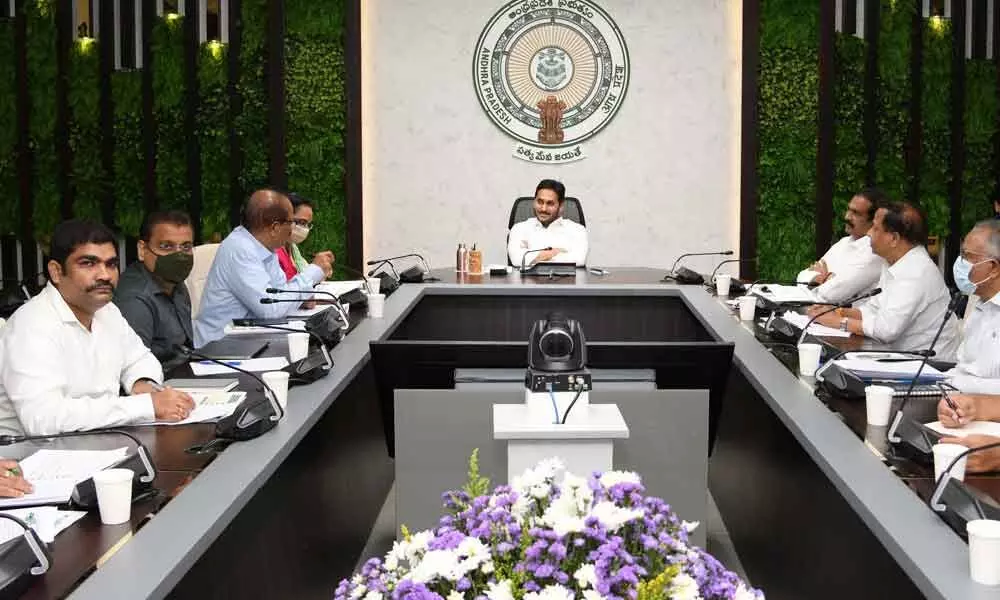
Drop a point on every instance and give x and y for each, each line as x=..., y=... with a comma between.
x=766, y=282
x=22, y=555
x=84, y=492
x=673, y=267
x=524, y=257
x=364, y=278
x=893, y=436
x=946, y=479
x=711, y=280
x=335, y=297
x=845, y=304
x=302, y=369
x=250, y=419
x=411, y=275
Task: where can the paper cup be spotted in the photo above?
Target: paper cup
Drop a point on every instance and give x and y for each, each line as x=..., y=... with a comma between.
x=722, y=283
x=114, y=495
x=376, y=305
x=809, y=355
x=278, y=382
x=748, y=307
x=943, y=455
x=878, y=401
x=984, y=551
x=374, y=284
x=298, y=346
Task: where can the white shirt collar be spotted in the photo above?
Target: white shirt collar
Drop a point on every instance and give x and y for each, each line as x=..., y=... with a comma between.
x=58, y=303
x=909, y=262
x=558, y=222
x=862, y=242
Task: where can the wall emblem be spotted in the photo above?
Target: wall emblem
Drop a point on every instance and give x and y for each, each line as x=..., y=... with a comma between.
x=551, y=74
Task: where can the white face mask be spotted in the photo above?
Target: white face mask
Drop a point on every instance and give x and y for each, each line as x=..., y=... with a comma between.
x=299, y=234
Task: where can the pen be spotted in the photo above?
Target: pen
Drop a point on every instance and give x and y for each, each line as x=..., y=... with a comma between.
x=951, y=404
x=231, y=363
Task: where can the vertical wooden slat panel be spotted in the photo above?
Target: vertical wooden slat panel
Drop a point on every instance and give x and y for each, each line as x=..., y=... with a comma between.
x=148, y=124
x=749, y=137
x=106, y=110
x=914, y=138
x=236, y=191
x=957, y=152
x=870, y=118
x=64, y=153
x=353, y=182
x=191, y=101
x=274, y=75
x=825, y=139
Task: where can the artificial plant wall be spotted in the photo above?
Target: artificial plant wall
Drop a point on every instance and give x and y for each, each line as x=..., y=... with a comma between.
x=315, y=110
x=788, y=92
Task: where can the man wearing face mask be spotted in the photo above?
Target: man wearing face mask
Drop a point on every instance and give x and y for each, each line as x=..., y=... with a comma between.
x=151, y=293
x=247, y=264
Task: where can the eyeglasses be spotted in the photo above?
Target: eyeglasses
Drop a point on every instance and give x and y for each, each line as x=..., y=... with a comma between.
x=169, y=248
x=966, y=254
x=303, y=223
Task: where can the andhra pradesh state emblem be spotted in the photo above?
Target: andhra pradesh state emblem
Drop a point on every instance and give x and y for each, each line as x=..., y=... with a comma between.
x=551, y=74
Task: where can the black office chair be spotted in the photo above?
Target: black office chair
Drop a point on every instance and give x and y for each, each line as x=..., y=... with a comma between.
x=524, y=209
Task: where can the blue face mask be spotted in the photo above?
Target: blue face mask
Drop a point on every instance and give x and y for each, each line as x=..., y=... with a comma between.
x=961, y=270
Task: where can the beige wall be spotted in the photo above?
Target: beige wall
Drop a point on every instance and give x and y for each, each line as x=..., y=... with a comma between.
x=661, y=179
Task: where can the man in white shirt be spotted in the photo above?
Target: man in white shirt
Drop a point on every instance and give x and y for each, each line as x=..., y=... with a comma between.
x=914, y=298
x=849, y=267
x=548, y=229
x=65, y=352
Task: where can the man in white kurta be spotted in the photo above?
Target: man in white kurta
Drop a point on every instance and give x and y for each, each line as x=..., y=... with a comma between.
x=849, y=268
x=64, y=354
x=914, y=298
x=548, y=237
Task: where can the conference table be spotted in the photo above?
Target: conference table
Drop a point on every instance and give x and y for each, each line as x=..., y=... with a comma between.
x=812, y=510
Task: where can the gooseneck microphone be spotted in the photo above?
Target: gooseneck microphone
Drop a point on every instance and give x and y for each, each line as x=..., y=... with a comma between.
x=326, y=352
x=766, y=282
x=143, y=454
x=845, y=304
x=524, y=257
x=246, y=422
x=942, y=482
x=17, y=561
x=336, y=301
x=711, y=280
x=893, y=434
x=408, y=276
x=673, y=267
x=364, y=278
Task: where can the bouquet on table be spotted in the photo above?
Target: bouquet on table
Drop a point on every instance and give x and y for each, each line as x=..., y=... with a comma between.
x=541, y=540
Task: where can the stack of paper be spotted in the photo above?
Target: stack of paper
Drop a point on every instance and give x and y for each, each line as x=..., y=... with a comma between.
x=337, y=288
x=47, y=521
x=976, y=427
x=800, y=320
x=889, y=368
x=257, y=365
x=53, y=473
x=208, y=407
x=783, y=293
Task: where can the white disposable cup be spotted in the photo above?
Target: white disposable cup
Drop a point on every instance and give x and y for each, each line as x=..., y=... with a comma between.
x=376, y=305
x=722, y=283
x=374, y=284
x=809, y=355
x=943, y=455
x=298, y=346
x=278, y=382
x=748, y=307
x=984, y=551
x=878, y=401
x=114, y=495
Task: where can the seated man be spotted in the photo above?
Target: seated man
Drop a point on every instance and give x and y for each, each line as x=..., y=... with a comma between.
x=65, y=352
x=567, y=239
x=151, y=293
x=247, y=264
x=914, y=299
x=977, y=271
x=849, y=267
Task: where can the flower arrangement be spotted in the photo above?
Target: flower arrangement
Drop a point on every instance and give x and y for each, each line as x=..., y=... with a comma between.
x=537, y=539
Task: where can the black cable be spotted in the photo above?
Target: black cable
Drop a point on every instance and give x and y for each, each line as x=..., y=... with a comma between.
x=570, y=407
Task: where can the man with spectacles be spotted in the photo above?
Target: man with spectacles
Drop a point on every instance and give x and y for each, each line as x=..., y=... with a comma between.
x=151, y=293
x=247, y=264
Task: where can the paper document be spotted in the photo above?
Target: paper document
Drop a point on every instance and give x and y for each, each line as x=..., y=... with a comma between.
x=783, y=293
x=337, y=288
x=255, y=365
x=255, y=330
x=873, y=368
x=800, y=320
x=208, y=407
x=301, y=313
x=975, y=427
x=53, y=473
x=47, y=521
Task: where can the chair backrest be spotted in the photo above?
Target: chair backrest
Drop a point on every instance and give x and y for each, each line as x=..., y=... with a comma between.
x=203, y=257
x=524, y=208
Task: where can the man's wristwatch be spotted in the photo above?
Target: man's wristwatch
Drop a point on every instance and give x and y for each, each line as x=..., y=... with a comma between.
x=843, y=323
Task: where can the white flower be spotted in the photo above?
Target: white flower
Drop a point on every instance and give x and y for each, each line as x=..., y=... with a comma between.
x=550, y=592
x=612, y=516
x=586, y=576
x=550, y=467
x=684, y=587
x=592, y=595
x=613, y=478
x=566, y=513
x=435, y=564
x=500, y=591
x=455, y=595
x=358, y=592
x=373, y=595
x=690, y=526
